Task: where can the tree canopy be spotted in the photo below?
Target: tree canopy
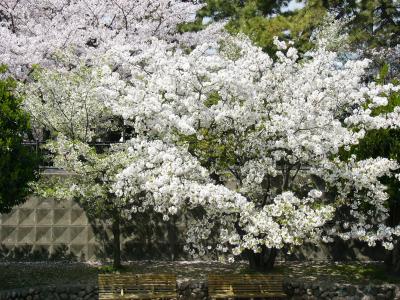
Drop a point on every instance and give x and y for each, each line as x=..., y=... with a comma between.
x=17, y=163
x=371, y=23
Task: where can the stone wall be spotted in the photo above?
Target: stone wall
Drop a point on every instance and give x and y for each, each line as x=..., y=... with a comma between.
x=197, y=290
x=52, y=293
x=187, y=290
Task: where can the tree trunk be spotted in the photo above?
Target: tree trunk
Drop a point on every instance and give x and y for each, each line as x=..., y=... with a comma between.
x=116, y=242
x=393, y=259
x=263, y=261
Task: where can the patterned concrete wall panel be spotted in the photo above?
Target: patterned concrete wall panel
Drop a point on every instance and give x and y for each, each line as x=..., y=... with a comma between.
x=58, y=228
x=75, y=205
x=78, y=217
x=8, y=234
x=27, y=216
x=26, y=235
x=67, y=203
x=33, y=202
x=11, y=218
x=42, y=203
x=44, y=216
x=79, y=235
x=80, y=250
x=51, y=227
x=43, y=235
x=93, y=250
x=61, y=234
x=61, y=216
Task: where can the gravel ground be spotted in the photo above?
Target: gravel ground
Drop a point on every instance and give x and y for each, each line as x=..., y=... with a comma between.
x=18, y=275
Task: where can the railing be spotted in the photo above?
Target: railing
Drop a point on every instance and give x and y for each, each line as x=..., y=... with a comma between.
x=46, y=165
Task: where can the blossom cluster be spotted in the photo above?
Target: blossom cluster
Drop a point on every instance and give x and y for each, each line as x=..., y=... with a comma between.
x=35, y=32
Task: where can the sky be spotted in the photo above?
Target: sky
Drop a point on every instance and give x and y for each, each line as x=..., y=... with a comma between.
x=293, y=5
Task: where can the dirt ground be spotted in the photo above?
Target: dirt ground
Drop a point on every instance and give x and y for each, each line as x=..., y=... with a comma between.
x=34, y=274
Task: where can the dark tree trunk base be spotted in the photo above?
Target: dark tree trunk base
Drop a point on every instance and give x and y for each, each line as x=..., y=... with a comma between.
x=263, y=261
x=393, y=260
x=116, y=242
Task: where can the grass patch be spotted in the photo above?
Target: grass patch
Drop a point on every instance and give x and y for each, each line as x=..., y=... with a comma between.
x=365, y=272
x=354, y=272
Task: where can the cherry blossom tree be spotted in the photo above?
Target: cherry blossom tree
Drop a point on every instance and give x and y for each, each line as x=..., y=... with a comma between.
x=55, y=47
x=70, y=105
x=250, y=146
x=34, y=32
x=247, y=145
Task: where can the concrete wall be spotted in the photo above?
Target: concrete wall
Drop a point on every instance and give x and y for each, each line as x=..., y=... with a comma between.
x=49, y=226
x=46, y=228
x=43, y=229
